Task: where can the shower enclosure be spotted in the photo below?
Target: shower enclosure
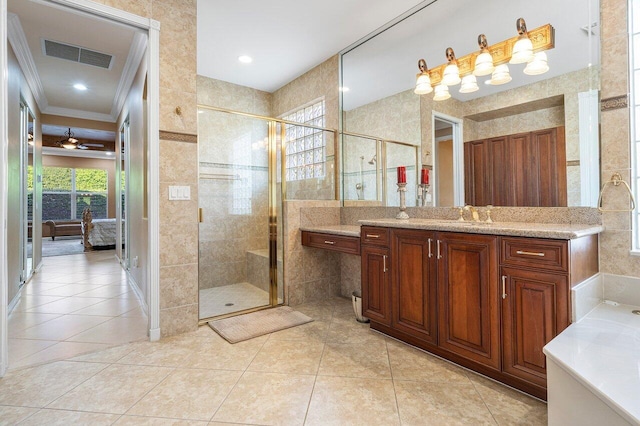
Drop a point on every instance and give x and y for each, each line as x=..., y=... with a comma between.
x=247, y=166
x=369, y=170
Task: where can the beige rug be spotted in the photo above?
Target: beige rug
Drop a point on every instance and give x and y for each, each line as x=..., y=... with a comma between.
x=247, y=326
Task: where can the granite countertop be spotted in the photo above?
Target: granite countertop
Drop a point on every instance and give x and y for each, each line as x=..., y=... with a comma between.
x=346, y=230
x=602, y=352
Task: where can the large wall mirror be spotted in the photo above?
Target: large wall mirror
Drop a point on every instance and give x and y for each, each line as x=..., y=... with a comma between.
x=542, y=122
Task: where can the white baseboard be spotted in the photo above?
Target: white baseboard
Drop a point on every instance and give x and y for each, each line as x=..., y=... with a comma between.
x=154, y=334
x=136, y=289
x=14, y=302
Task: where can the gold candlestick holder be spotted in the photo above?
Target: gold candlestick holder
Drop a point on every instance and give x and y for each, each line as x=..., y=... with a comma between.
x=402, y=189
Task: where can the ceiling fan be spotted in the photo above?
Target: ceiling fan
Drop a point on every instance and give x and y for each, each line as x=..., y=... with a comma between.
x=69, y=142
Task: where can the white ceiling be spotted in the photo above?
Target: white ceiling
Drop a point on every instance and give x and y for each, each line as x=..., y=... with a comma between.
x=285, y=38
x=53, y=79
x=79, y=133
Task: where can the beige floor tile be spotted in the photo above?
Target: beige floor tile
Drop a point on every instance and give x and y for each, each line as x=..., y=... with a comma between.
x=21, y=348
x=284, y=356
x=35, y=288
x=22, y=320
x=65, y=418
x=39, y=386
x=353, y=401
x=267, y=399
x=355, y=360
x=30, y=301
x=68, y=290
x=316, y=312
x=128, y=295
x=61, y=328
x=115, y=331
x=135, y=312
x=106, y=291
x=165, y=353
x=13, y=415
x=508, y=406
x=109, y=355
x=114, y=390
x=218, y=354
x=156, y=421
x=408, y=363
x=70, y=278
x=188, y=394
x=58, y=351
x=106, y=279
x=423, y=403
x=349, y=330
x=110, y=307
x=67, y=305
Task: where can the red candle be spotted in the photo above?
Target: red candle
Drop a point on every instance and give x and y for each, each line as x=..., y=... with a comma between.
x=402, y=174
x=424, y=177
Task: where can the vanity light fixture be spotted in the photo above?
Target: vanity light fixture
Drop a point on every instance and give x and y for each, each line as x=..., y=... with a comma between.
x=423, y=81
x=451, y=75
x=79, y=86
x=500, y=75
x=538, y=65
x=523, y=47
x=441, y=93
x=469, y=84
x=484, y=61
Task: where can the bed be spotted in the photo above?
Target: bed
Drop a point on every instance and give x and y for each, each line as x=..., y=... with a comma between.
x=98, y=234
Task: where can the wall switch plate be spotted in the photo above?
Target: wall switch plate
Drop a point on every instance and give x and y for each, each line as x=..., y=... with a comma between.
x=179, y=193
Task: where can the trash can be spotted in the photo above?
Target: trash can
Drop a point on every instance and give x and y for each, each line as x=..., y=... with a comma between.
x=356, y=300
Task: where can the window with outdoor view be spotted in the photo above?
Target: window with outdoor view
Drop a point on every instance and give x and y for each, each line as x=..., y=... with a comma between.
x=67, y=191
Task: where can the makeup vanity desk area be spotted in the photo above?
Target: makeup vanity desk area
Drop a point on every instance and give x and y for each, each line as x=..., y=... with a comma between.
x=487, y=296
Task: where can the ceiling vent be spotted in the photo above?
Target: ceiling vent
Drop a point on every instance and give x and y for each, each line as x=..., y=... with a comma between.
x=76, y=54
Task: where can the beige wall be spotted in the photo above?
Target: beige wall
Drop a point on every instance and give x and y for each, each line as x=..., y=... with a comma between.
x=615, y=241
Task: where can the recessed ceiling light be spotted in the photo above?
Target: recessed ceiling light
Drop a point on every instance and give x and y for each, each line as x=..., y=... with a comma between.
x=344, y=89
x=79, y=86
x=245, y=59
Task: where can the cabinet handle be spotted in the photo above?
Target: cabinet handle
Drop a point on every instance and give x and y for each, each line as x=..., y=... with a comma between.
x=439, y=256
x=372, y=236
x=430, y=253
x=530, y=253
x=504, y=286
x=384, y=263
x=330, y=242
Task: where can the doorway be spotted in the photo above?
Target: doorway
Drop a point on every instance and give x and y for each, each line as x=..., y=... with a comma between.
x=448, y=162
x=27, y=180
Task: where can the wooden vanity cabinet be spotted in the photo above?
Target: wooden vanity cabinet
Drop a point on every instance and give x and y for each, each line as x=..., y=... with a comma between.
x=376, y=294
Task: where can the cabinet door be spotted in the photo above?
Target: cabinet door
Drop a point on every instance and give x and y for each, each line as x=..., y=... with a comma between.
x=468, y=311
x=376, y=297
x=413, y=283
x=534, y=310
x=548, y=146
x=499, y=172
x=475, y=173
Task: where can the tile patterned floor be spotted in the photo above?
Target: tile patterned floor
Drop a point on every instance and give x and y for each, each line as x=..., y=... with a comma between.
x=333, y=371
x=75, y=304
x=213, y=301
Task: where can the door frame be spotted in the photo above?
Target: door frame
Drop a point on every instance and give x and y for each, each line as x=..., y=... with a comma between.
x=458, y=156
x=152, y=28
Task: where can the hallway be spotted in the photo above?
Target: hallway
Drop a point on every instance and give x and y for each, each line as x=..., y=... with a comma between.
x=76, y=304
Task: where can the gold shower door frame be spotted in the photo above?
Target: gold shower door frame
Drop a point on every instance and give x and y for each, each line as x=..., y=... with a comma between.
x=276, y=133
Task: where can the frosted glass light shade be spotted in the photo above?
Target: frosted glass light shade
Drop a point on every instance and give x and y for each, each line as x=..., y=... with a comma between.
x=423, y=84
x=538, y=65
x=451, y=75
x=441, y=93
x=522, y=50
x=500, y=75
x=469, y=84
x=483, y=65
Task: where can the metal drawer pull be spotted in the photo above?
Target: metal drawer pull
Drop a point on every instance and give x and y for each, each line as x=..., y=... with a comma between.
x=530, y=253
x=372, y=236
x=504, y=286
x=439, y=256
x=430, y=253
x=384, y=263
x=330, y=242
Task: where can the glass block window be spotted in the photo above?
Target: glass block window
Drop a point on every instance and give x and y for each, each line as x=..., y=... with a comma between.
x=634, y=80
x=305, y=146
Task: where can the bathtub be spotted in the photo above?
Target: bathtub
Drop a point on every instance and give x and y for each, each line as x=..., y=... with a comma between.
x=593, y=369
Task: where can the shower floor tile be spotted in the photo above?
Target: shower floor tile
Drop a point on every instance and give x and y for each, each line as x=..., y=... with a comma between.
x=231, y=298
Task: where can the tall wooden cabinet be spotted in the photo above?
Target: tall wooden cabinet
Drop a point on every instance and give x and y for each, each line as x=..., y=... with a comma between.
x=526, y=169
x=487, y=302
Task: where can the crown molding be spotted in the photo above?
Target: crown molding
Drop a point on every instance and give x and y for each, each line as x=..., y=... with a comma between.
x=136, y=53
x=80, y=153
x=76, y=113
x=18, y=41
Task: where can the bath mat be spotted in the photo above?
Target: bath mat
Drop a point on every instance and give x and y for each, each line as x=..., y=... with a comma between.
x=247, y=326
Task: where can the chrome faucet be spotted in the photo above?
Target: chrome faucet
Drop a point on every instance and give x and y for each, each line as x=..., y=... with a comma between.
x=474, y=212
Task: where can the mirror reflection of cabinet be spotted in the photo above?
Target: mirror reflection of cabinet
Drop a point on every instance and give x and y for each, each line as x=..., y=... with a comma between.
x=523, y=170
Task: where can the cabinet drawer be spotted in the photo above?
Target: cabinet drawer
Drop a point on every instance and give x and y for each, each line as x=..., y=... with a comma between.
x=339, y=243
x=535, y=253
x=374, y=235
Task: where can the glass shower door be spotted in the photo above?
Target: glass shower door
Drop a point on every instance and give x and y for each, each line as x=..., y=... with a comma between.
x=238, y=212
